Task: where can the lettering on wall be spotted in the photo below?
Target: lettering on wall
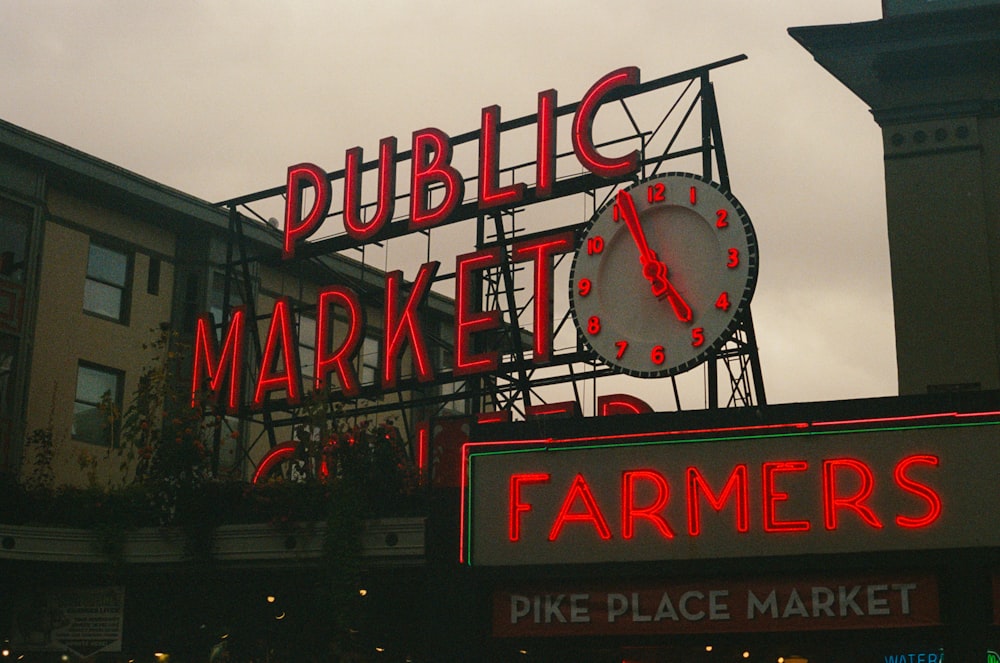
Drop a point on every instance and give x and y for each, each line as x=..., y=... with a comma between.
x=718, y=606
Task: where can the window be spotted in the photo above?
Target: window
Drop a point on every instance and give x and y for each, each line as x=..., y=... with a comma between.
x=15, y=226
x=96, y=388
x=153, y=277
x=106, y=291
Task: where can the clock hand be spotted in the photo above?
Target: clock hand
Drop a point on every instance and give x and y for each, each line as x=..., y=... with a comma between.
x=653, y=268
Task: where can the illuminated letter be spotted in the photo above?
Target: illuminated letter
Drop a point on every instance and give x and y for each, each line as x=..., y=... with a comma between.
x=300, y=176
x=922, y=491
x=545, y=159
x=428, y=170
x=270, y=378
x=560, y=409
x=337, y=360
x=517, y=507
x=400, y=325
x=541, y=251
x=231, y=357
x=355, y=226
x=423, y=448
x=583, y=121
x=491, y=194
x=468, y=320
x=737, y=485
x=613, y=404
x=592, y=513
x=272, y=458
x=855, y=502
x=652, y=512
x=772, y=496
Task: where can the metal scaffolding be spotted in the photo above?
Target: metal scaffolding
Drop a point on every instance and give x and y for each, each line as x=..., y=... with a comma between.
x=685, y=130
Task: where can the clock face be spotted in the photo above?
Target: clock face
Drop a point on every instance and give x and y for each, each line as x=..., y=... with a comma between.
x=663, y=275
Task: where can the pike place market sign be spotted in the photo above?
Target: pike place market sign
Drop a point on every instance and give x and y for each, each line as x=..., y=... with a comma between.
x=801, y=488
x=720, y=605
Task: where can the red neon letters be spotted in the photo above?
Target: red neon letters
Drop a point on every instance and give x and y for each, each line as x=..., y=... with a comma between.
x=491, y=194
x=846, y=486
x=212, y=365
x=580, y=492
x=281, y=339
x=432, y=173
x=925, y=493
x=401, y=327
x=541, y=252
x=338, y=360
x=296, y=228
x=432, y=166
x=402, y=324
x=583, y=121
x=354, y=223
x=468, y=319
x=517, y=507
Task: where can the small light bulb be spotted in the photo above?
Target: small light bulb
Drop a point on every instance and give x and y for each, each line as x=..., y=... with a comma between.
x=363, y=592
x=746, y=654
x=270, y=598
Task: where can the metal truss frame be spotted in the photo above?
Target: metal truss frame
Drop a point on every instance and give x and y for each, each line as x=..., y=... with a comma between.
x=518, y=383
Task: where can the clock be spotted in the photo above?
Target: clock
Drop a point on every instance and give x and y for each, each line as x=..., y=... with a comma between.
x=663, y=275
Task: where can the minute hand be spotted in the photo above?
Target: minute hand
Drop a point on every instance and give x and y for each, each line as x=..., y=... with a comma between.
x=653, y=269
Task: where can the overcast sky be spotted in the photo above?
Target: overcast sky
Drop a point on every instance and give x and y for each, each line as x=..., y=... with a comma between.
x=217, y=99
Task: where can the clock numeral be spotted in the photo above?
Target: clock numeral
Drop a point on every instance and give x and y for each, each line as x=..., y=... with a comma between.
x=595, y=245
x=616, y=212
x=658, y=355
x=584, y=286
x=594, y=325
x=698, y=337
x=656, y=193
x=693, y=195
x=720, y=218
x=734, y=259
x=722, y=303
x=622, y=346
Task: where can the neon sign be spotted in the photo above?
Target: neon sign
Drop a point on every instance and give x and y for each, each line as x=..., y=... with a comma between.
x=567, y=608
x=432, y=168
x=580, y=508
x=219, y=372
x=813, y=487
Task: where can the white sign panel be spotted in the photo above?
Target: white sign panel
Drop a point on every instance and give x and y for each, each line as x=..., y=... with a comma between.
x=788, y=491
x=83, y=620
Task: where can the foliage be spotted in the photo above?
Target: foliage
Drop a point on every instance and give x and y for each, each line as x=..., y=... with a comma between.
x=162, y=430
x=40, y=448
x=343, y=471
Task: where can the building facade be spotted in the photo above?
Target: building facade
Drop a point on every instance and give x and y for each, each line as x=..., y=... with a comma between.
x=98, y=264
x=863, y=531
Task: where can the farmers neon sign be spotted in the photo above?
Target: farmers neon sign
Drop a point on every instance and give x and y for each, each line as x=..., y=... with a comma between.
x=580, y=508
x=812, y=487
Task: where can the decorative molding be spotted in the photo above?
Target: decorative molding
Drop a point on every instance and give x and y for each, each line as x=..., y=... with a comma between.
x=386, y=541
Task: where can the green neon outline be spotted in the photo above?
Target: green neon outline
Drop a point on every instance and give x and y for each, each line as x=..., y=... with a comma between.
x=555, y=445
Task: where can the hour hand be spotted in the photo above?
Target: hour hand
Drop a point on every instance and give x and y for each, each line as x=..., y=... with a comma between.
x=653, y=269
